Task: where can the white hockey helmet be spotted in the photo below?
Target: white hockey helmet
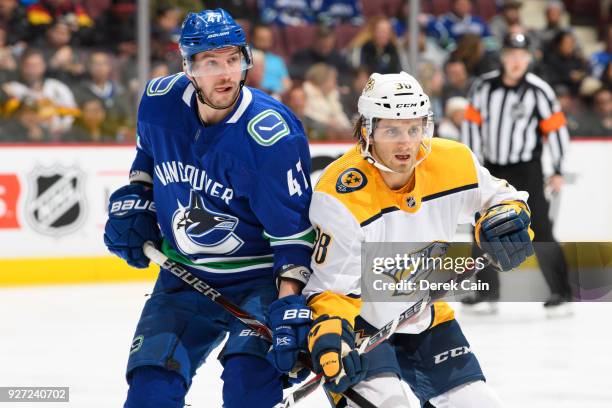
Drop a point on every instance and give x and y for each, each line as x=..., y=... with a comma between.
x=394, y=96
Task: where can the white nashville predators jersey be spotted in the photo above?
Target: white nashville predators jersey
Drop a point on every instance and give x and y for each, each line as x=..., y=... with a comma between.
x=352, y=205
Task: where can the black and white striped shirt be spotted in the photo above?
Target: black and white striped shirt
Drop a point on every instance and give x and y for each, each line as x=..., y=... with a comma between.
x=505, y=125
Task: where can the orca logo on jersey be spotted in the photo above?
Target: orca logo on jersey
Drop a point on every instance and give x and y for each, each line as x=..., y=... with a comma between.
x=199, y=230
x=351, y=180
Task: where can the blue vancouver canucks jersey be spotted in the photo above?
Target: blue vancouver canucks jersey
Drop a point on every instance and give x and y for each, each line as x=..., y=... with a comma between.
x=232, y=198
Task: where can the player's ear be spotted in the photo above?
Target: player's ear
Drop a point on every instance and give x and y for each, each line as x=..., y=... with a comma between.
x=185, y=70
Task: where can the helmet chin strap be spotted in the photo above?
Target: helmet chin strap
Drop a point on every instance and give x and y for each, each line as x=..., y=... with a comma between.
x=365, y=151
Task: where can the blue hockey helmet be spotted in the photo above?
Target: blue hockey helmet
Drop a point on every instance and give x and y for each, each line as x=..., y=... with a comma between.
x=210, y=30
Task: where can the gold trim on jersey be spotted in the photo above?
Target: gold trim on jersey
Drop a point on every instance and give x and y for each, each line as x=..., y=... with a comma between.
x=442, y=312
x=335, y=304
x=448, y=169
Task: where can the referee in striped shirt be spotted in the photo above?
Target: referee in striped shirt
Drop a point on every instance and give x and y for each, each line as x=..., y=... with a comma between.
x=511, y=112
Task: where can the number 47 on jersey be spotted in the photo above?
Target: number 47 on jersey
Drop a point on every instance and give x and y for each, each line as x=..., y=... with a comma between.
x=293, y=184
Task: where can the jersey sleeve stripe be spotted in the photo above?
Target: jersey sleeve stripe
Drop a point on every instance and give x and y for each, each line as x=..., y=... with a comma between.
x=448, y=192
x=380, y=214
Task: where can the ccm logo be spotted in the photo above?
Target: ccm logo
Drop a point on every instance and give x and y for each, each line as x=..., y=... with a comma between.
x=297, y=313
x=127, y=205
x=456, y=352
x=406, y=105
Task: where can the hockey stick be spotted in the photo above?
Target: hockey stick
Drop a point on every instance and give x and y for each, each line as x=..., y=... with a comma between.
x=249, y=320
x=385, y=332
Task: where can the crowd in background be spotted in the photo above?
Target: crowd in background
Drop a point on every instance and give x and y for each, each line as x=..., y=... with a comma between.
x=67, y=68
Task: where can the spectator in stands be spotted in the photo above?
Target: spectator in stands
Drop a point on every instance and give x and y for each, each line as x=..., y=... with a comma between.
x=256, y=73
x=606, y=76
x=350, y=97
x=159, y=69
x=601, y=59
x=64, y=61
x=276, y=77
x=334, y=12
x=431, y=79
x=43, y=13
x=118, y=23
x=241, y=10
x=429, y=50
x=8, y=63
x=554, y=14
x=457, y=81
x=282, y=12
x=510, y=14
x=570, y=106
x=323, y=101
x=54, y=100
x=99, y=84
x=563, y=64
x=24, y=124
x=454, y=112
x=295, y=99
x=90, y=124
x=165, y=35
x=377, y=47
x=14, y=20
x=450, y=27
x=471, y=51
x=168, y=22
x=596, y=120
x=323, y=49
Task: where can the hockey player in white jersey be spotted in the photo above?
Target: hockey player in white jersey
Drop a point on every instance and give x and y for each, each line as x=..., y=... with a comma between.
x=400, y=185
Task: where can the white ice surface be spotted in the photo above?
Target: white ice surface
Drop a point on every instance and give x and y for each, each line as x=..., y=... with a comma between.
x=79, y=336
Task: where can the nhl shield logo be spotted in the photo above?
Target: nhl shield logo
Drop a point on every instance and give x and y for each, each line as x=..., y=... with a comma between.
x=56, y=201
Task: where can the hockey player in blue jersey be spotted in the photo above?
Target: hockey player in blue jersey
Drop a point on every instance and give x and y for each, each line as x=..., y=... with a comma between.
x=220, y=182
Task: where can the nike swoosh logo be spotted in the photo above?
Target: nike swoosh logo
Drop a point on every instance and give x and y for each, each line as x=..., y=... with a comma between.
x=265, y=128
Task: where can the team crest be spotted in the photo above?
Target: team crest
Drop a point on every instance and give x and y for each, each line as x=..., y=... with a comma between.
x=199, y=230
x=56, y=202
x=369, y=85
x=351, y=180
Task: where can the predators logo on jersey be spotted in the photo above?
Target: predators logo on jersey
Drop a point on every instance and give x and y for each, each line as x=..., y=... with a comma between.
x=415, y=266
x=351, y=180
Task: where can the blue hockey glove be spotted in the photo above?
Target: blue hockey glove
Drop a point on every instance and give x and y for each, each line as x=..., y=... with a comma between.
x=290, y=321
x=504, y=233
x=132, y=221
x=331, y=342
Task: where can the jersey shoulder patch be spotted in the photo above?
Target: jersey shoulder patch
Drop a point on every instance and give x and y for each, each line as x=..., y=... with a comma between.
x=162, y=85
x=162, y=102
x=268, y=127
x=351, y=180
